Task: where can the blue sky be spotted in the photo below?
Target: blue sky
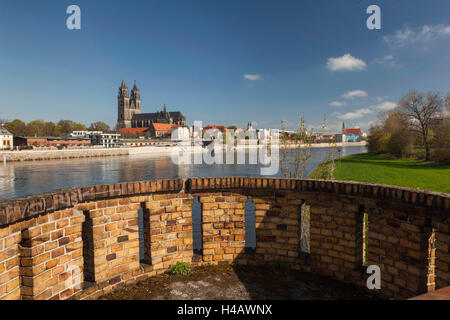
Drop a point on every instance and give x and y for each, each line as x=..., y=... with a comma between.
x=222, y=62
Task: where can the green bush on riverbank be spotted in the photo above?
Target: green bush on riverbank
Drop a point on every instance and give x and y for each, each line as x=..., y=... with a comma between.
x=384, y=169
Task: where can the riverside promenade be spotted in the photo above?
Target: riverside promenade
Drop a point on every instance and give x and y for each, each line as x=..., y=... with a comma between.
x=35, y=155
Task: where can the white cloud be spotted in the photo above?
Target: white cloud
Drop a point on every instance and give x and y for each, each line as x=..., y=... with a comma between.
x=357, y=114
x=355, y=94
x=387, y=60
x=345, y=63
x=337, y=104
x=407, y=36
x=385, y=106
x=381, y=99
x=252, y=77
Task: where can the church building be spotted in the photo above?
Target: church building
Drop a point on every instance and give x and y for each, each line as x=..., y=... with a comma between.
x=131, y=116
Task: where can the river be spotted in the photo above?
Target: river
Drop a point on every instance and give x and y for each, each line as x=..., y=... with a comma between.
x=19, y=179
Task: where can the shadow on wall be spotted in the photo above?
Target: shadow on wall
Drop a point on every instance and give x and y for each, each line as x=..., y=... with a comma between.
x=85, y=242
x=327, y=233
x=272, y=230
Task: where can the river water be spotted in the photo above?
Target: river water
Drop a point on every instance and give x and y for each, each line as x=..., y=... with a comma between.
x=19, y=179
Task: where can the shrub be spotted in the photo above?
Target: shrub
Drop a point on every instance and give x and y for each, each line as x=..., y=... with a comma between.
x=179, y=268
x=441, y=143
x=400, y=144
x=373, y=140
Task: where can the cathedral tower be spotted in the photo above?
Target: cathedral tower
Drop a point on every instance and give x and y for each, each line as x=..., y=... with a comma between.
x=135, y=101
x=127, y=107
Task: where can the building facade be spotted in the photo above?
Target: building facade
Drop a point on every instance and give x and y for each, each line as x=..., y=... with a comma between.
x=6, y=139
x=160, y=130
x=130, y=112
x=52, y=141
x=98, y=138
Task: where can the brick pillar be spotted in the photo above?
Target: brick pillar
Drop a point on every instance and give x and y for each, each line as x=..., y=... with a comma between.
x=170, y=228
x=115, y=239
x=223, y=225
x=9, y=264
x=51, y=256
x=336, y=249
x=277, y=226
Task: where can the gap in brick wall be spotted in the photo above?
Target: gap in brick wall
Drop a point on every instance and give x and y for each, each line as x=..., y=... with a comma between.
x=23, y=272
x=304, y=225
x=365, y=239
x=141, y=233
x=250, y=226
x=87, y=236
x=197, y=226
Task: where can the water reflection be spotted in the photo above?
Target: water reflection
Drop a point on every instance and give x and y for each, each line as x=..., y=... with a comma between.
x=25, y=178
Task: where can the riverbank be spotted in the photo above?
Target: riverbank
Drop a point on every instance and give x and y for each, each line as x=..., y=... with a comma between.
x=383, y=169
x=36, y=155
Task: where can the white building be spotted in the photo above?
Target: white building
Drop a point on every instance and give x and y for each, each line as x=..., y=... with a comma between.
x=6, y=139
x=107, y=140
x=84, y=133
x=98, y=138
x=264, y=134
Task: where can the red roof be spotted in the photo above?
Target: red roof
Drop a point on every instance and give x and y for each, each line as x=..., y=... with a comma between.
x=164, y=126
x=133, y=130
x=353, y=131
x=221, y=128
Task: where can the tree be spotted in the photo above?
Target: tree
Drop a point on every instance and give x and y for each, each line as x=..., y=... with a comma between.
x=295, y=150
x=35, y=128
x=447, y=103
x=79, y=127
x=441, y=143
x=17, y=127
x=65, y=127
x=99, y=126
x=49, y=129
x=421, y=111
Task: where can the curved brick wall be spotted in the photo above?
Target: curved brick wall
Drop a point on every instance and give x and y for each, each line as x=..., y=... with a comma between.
x=82, y=243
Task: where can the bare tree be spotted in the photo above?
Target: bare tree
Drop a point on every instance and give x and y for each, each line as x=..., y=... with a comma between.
x=422, y=111
x=447, y=102
x=295, y=150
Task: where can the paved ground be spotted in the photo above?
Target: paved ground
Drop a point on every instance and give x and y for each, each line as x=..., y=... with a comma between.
x=226, y=282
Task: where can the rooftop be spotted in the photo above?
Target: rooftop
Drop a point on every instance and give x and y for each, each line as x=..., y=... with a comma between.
x=164, y=126
x=5, y=132
x=133, y=130
x=353, y=131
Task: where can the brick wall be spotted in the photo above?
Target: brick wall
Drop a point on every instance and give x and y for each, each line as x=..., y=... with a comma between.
x=170, y=230
x=223, y=227
x=82, y=243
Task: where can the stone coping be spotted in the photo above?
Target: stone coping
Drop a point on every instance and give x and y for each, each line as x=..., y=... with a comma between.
x=441, y=294
x=13, y=210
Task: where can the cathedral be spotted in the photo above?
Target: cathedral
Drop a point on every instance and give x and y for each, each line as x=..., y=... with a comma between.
x=130, y=115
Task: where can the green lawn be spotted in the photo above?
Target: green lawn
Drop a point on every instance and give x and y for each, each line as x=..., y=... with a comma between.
x=386, y=170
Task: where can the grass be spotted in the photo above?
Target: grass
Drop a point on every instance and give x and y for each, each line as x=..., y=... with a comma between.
x=384, y=169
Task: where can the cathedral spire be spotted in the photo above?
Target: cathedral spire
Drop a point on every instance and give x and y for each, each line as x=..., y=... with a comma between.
x=123, y=85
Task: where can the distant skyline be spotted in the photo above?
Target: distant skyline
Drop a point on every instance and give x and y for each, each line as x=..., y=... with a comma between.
x=221, y=62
